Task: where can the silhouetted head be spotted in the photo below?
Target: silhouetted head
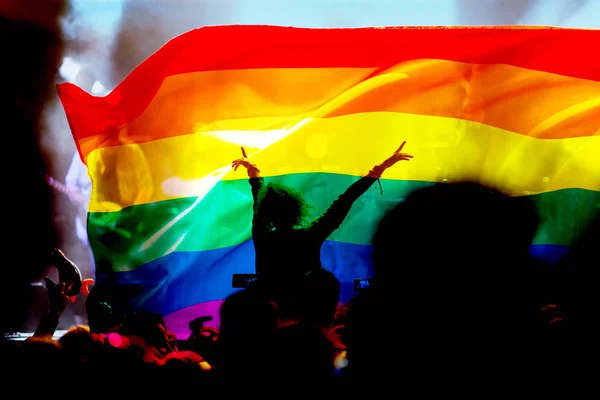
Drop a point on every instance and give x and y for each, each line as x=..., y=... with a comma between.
x=79, y=344
x=149, y=326
x=449, y=226
x=246, y=317
x=319, y=297
x=281, y=207
x=100, y=316
x=458, y=250
x=246, y=336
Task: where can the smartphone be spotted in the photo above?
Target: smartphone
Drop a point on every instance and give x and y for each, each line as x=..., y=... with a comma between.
x=243, y=281
x=361, y=284
x=196, y=324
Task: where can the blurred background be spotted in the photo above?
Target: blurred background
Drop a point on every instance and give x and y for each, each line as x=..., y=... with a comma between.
x=97, y=43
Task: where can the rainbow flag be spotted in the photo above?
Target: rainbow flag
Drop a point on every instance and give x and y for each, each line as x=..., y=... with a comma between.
x=515, y=108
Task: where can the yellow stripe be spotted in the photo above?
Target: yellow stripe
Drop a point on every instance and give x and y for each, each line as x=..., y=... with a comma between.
x=549, y=106
x=443, y=148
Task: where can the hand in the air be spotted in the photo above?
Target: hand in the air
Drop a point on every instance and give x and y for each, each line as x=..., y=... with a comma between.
x=57, y=294
x=240, y=162
x=235, y=164
x=397, y=156
x=252, y=170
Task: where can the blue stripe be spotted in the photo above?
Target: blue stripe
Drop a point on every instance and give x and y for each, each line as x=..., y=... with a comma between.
x=548, y=253
x=182, y=279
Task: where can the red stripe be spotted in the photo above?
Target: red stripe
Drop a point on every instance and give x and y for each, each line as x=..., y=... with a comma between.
x=556, y=50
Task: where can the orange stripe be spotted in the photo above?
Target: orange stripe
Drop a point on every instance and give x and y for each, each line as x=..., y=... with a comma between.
x=527, y=102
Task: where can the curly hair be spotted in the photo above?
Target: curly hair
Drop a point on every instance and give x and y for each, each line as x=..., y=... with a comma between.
x=279, y=206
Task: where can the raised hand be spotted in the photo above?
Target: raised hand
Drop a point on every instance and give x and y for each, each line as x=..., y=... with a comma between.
x=397, y=156
x=389, y=162
x=253, y=172
x=57, y=295
x=235, y=164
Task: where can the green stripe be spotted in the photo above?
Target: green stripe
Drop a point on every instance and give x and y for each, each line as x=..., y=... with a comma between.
x=139, y=234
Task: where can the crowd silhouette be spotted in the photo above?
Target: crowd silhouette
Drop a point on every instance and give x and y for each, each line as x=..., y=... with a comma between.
x=455, y=298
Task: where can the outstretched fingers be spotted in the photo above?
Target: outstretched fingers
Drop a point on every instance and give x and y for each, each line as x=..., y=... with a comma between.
x=401, y=147
x=236, y=163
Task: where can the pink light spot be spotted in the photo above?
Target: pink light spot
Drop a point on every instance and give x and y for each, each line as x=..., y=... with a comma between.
x=115, y=340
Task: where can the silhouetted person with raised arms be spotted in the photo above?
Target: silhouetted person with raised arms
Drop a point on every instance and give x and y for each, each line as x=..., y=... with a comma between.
x=286, y=248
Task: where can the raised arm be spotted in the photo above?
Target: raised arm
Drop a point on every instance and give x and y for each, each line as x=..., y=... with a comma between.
x=57, y=294
x=256, y=181
x=339, y=209
x=331, y=219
